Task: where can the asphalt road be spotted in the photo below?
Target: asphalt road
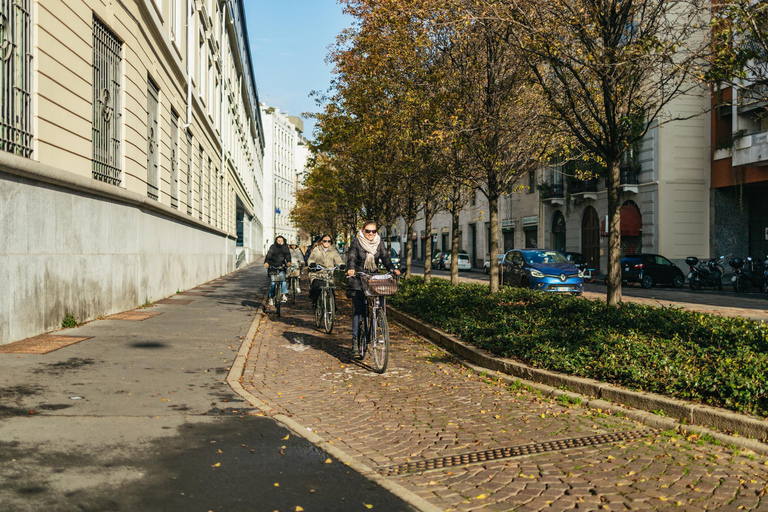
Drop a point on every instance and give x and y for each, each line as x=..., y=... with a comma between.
x=139, y=417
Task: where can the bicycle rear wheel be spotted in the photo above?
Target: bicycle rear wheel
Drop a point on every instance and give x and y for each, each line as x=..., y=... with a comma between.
x=329, y=312
x=380, y=341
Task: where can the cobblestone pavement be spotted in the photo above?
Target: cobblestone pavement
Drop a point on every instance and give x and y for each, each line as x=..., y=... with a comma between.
x=427, y=406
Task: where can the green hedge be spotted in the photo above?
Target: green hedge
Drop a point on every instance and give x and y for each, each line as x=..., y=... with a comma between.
x=706, y=358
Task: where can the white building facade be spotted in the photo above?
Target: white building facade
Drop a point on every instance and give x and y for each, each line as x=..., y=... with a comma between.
x=131, y=150
x=281, y=174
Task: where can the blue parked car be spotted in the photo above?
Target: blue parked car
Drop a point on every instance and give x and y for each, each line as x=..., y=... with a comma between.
x=542, y=269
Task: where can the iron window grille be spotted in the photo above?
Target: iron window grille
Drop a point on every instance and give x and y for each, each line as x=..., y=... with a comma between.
x=107, y=58
x=208, y=190
x=15, y=78
x=189, y=172
x=200, y=185
x=174, y=159
x=153, y=94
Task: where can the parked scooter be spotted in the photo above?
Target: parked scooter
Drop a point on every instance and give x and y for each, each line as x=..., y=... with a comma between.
x=703, y=274
x=749, y=273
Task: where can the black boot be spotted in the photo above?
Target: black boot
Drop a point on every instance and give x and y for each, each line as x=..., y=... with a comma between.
x=355, y=347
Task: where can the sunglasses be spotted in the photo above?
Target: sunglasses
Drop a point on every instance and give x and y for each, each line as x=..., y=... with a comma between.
x=326, y=241
x=374, y=231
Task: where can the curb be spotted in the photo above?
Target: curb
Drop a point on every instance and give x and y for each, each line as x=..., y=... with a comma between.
x=234, y=381
x=678, y=415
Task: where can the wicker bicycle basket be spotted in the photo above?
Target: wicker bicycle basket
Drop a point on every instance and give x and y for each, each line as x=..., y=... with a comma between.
x=379, y=284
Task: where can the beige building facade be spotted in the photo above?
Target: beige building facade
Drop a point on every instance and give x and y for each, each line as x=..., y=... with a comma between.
x=131, y=153
x=665, y=194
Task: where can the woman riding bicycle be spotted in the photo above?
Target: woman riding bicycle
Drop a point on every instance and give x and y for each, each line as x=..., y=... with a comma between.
x=365, y=252
x=326, y=256
x=297, y=260
x=277, y=256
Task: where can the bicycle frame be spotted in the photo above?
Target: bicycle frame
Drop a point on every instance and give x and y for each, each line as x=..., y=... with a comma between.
x=279, y=279
x=374, y=331
x=325, y=310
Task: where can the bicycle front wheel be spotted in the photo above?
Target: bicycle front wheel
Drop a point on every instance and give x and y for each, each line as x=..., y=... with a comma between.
x=329, y=312
x=380, y=341
x=278, y=298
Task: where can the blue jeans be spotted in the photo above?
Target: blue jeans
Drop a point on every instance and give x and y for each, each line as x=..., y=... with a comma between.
x=273, y=278
x=359, y=302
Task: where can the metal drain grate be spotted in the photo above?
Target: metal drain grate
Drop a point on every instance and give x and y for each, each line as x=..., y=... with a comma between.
x=514, y=451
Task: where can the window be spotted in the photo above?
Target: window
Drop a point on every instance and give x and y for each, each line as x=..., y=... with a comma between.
x=200, y=172
x=174, y=20
x=208, y=189
x=174, y=159
x=531, y=182
x=153, y=95
x=105, y=125
x=189, y=172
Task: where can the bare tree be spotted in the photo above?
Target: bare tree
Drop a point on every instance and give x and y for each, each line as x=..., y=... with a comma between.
x=609, y=70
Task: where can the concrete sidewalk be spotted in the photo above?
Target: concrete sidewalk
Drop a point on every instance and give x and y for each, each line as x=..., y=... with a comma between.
x=133, y=412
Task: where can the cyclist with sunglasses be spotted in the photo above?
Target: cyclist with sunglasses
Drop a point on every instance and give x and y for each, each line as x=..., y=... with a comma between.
x=365, y=253
x=325, y=255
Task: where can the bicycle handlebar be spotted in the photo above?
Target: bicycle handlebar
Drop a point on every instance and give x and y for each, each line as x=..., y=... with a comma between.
x=317, y=268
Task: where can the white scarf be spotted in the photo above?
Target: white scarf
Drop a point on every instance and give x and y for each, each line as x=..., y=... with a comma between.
x=370, y=249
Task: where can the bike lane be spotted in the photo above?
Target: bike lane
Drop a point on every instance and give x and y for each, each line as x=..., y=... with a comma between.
x=440, y=432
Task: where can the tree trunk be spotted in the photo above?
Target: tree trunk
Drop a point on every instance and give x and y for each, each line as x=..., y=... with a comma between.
x=428, y=214
x=409, y=246
x=493, y=207
x=455, y=238
x=614, y=235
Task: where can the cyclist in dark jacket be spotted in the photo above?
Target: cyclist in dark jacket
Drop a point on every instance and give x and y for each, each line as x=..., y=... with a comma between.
x=365, y=252
x=278, y=255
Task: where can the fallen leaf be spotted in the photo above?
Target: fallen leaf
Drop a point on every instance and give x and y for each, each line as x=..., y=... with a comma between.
x=286, y=437
x=328, y=461
x=299, y=509
x=277, y=484
x=481, y=496
x=367, y=505
x=216, y=465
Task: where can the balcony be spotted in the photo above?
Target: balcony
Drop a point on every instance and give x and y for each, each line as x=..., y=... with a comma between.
x=586, y=189
x=629, y=179
x=751, y=150
x=553, y=193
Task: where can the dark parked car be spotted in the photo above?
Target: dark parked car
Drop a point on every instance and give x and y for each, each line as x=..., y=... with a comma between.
x=542, y=269
x=650, y=270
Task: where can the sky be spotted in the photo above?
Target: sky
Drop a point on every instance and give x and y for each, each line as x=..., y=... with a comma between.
x=289, y=41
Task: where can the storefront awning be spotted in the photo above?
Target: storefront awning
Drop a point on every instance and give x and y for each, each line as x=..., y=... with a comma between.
x=631, y=222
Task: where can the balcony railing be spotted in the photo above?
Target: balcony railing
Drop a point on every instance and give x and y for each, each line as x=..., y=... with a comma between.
x=583, y=186
x=551, y=191
x=751, y=149
x=629, y=176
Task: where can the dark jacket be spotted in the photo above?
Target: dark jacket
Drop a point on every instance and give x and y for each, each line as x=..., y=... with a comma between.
x=278, y=255
x=356, y=260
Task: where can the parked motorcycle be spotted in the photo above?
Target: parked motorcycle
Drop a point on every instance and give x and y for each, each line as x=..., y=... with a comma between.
x=765, y=282
x=705, y=274
x=748, y=274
